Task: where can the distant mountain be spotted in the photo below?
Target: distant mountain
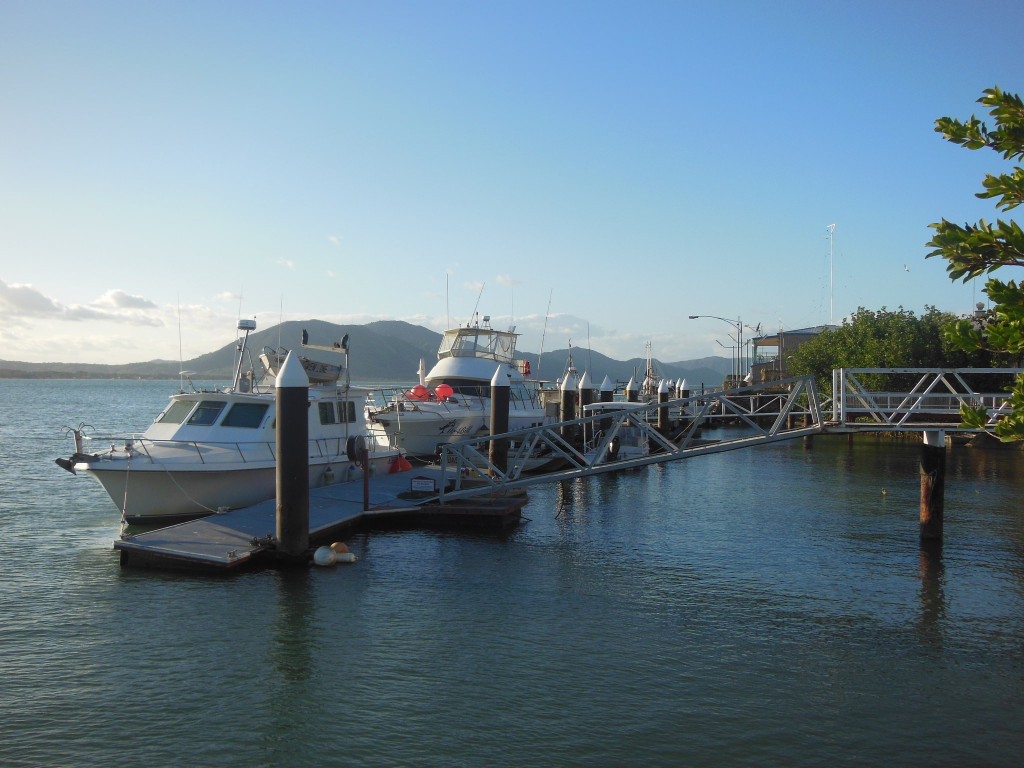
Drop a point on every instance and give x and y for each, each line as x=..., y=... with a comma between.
x=386, y=350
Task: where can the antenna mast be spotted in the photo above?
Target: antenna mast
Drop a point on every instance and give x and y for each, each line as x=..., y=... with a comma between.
x=544, y=332
x=831, y=280
x=181, y=359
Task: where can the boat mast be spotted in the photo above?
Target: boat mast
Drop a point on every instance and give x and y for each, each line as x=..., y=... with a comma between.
x=246, y=325
x=831, y=280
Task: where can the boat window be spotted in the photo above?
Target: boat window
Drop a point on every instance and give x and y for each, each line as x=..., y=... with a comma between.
x=351, y=408
x=206, y=413
x=177, y=412
x=327, y=413
x=249, y=415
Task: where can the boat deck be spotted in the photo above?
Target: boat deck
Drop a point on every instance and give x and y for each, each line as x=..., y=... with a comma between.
x=246, y=536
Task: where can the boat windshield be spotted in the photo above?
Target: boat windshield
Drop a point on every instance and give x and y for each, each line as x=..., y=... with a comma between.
x=248, y=415
x=177, y=412
x=478, y=342
x=206, y=413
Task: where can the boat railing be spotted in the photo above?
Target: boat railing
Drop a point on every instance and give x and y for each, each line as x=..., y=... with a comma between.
x=398, y=398
x=187, y=451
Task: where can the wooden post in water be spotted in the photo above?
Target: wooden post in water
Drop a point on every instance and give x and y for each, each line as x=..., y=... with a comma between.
x=632, y=391
x=500, y=392
x=364, y=458
x=570, y=388
x=607, y=395
x=586, y=398
x=663, y=425
x=933, y=484
x=292, y=402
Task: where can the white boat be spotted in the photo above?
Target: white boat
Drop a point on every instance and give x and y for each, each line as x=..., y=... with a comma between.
x=214, y=450
x=453, y=400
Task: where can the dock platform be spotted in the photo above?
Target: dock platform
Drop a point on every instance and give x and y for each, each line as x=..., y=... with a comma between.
x=244, y=537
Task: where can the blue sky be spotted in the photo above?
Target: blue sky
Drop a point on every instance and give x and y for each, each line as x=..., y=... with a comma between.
x=635, y=163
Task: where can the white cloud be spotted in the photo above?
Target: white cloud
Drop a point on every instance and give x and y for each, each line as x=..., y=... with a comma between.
x=20, y=301
x=286, y=263
x=118, y=299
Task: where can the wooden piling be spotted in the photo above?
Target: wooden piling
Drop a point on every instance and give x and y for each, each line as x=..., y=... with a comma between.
x=292, y=403
x=663, y=397
x=500, y=396
x=607, y=395
x=586, y=398
x=933, y=484
x=632, y=391
x=568, y=395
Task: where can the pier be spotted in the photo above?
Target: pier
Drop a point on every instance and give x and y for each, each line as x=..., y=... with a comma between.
x=245, y=538
x=480, y=483
x=928, y=402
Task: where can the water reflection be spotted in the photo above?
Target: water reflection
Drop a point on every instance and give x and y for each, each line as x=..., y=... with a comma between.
x=291, y=653
x=932, y=572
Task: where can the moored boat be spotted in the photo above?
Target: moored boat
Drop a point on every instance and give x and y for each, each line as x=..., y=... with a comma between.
x=452, y=401
x=211, y=450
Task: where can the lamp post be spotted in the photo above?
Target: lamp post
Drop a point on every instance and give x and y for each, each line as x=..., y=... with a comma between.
x=738, y=325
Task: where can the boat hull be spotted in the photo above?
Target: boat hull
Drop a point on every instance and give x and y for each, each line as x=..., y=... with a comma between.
x=149, y=494
x=421, y=430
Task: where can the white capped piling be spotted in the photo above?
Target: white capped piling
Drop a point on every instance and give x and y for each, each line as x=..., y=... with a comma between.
x=632, y=391
x=933, y=484
x=569, y=392
x=500, y=397
x=607, y=395
x=586, y=398
x=663, y=397
x=364, y=458
x=292, y=402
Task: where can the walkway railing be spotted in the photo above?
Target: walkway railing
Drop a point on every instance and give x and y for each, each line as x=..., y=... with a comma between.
x=884, y=399
x=584, y=446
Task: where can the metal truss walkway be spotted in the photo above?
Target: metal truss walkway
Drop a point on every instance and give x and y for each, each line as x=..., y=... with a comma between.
x=637, y=434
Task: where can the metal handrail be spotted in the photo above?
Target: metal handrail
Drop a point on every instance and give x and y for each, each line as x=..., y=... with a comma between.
x=470, y=457
x=319, y=447
x=938, y=392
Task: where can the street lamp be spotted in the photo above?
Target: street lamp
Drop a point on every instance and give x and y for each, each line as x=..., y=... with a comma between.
x=738, y=325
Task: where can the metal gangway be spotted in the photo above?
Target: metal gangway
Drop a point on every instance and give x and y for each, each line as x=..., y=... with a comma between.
x=771, y=412
x=916, y=399
x=583, y=446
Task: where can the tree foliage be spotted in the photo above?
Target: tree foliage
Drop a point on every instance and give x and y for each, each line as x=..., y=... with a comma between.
x=973, y=250
x=885, y=339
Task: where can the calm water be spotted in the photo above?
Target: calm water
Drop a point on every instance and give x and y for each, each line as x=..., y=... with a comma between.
x=769, y=606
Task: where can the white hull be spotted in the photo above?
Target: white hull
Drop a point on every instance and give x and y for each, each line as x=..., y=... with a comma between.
x=216, y=449
x=421, y=429
x=148, y=493
x=452, y=402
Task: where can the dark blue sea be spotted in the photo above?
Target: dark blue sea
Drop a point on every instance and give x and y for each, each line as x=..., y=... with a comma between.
x=767, y=606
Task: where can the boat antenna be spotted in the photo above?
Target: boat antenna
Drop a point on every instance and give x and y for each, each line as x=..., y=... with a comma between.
x=348, y=388
x=590, y=359
x=544, y=332
x=831, y=228
x=181, y=359
x=477, y=305
x=280, y=322
x=447, y=308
